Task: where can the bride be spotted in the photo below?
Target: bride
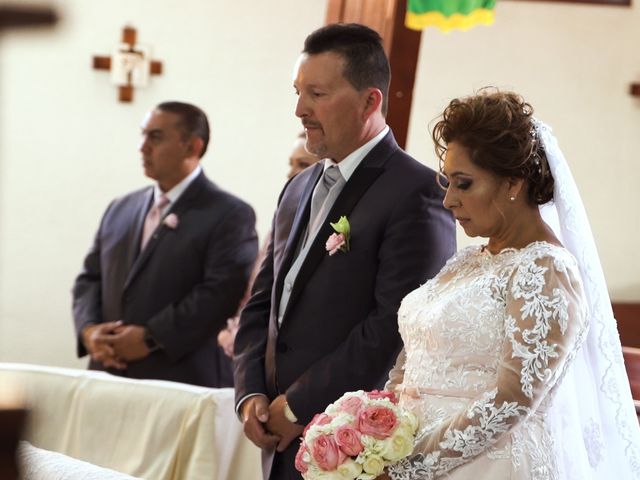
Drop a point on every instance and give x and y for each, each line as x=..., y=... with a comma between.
x=511, y=356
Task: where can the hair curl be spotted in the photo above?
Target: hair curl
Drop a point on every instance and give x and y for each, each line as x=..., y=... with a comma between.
x=498, y=131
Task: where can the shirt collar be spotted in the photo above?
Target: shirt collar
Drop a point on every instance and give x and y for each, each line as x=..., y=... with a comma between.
x=174, y=194
x=351, y=161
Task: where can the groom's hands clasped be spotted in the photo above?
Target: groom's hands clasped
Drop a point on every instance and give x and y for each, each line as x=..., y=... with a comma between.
x=255, y=415
x=281, y=426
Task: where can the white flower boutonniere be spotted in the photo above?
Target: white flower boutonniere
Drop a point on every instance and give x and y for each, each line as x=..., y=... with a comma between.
x=341, y=240
x=171, y=221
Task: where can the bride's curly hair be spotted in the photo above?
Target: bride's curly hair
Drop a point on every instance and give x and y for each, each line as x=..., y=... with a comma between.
x=498, y=131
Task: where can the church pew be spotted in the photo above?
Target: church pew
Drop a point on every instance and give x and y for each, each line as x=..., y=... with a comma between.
x=11, y=424
x=38, y=464
x=628, y=317
x=632, y=365
x=143, y=428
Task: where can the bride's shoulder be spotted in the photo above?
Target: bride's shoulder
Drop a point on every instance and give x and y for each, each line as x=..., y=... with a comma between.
x=545, y=252
x=546, y=260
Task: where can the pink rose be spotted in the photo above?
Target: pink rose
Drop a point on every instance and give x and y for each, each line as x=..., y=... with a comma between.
x=377, y=421
x=375, y=394
x=300, y=464
x=334, y=243
x=171, y=221
x=318, y=419
x=326, y=453
x=351, y=405
x=348, y=440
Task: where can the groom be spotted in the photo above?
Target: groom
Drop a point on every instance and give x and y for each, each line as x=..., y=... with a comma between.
x=321, y=324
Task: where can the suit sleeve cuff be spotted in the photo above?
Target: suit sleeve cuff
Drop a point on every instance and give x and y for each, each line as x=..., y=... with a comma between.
x=242, y=400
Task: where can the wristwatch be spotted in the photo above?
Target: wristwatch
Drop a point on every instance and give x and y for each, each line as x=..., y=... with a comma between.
x=150, y=342
x=288, y=414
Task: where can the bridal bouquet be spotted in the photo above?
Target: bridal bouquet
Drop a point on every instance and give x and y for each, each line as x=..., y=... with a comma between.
x=356, y=437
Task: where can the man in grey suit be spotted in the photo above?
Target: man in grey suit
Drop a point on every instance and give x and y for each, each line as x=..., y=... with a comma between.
x=322, y=317
x=169, y=263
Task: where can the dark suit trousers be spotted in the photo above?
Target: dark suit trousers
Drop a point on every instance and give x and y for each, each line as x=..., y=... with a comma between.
x=283, y=464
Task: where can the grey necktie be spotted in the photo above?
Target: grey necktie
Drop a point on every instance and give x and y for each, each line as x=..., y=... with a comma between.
x=327, y=189
x=329, y=178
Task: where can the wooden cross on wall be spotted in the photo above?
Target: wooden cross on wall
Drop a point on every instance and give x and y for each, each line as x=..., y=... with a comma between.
x=130, y=65
x=635, y=89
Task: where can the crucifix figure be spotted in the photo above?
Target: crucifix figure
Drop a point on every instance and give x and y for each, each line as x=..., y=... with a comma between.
x=130, y=65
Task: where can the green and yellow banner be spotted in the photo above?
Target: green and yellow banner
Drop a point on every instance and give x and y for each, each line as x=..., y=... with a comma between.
x=448, y=14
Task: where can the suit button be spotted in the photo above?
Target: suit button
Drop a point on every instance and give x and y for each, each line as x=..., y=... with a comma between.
x=282, y=348
x=288, y=287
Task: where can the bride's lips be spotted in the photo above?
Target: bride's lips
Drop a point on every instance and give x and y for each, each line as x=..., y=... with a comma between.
x=462, y=221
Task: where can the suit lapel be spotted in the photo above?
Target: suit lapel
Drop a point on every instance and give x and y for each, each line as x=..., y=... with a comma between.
x=344, y=204
x=183, y=203
x=298, y=226
x=371, y=167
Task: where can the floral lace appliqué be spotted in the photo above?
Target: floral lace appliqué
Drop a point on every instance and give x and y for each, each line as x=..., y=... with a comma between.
x=593, y=443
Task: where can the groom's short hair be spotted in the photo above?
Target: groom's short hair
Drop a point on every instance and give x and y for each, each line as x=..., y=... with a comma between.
x=366, y=64
x=193, y=121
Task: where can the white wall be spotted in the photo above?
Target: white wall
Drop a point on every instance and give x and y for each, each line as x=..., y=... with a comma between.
x=67, y=146
x=574, y=63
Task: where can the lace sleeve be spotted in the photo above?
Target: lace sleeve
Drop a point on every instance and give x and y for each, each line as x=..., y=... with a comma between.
x=544, y=325
x=396, y=374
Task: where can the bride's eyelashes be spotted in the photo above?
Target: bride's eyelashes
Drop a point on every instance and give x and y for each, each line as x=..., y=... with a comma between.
x=456, y=181
x=463, y=184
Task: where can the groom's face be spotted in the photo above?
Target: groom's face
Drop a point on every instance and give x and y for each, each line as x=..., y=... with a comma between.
x=331, y=109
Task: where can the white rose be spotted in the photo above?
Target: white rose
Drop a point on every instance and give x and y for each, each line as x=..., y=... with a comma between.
x=350, y=469
x=410, y=420
x=398, y=446
x=312, y=472
x=332, y=475
x=316, y=473
x=373, y=465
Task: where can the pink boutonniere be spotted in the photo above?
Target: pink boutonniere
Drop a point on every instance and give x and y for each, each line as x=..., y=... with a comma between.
x=171, y=221
x=339, y=241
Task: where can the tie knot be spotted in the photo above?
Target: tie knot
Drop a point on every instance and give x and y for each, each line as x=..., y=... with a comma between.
x=331, y=176
x=162, y=202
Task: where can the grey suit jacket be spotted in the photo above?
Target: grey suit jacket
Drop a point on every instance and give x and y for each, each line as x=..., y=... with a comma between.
x=183, y=286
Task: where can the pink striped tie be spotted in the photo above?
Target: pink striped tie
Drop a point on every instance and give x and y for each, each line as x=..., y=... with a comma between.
x=152, y=220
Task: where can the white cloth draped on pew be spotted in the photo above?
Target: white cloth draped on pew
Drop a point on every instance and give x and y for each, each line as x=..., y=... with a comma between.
x=144, y=428
x=38, y=464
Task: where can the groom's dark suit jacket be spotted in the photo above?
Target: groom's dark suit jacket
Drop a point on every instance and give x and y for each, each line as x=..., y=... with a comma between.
x=339, y=332
x=183, y=286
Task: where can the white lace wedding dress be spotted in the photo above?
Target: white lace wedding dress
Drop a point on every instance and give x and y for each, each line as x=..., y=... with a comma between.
x=486, y=343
